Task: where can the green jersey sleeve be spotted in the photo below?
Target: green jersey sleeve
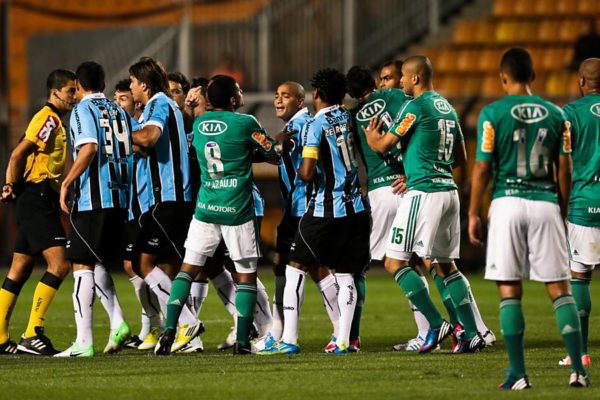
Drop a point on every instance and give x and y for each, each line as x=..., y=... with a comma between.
x=259, y=140
x=405, y=121
x=485, y=136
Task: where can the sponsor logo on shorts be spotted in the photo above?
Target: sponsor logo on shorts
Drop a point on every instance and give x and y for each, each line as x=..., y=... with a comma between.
x=289, y=308
x=153, y=242
x=419, y=244
x=212, y=127
x=529, y=113
x=60, y=238
x=442, y=106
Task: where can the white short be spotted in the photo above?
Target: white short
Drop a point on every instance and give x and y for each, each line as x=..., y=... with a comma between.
x=584, y=246
x=241, y=240
x=427, y=224
x=384, y=205
x=526, y=239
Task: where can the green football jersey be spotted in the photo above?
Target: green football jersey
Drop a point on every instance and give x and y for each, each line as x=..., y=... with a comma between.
x=225, y=143
x=382, y=170
x=584, y=116
x=522, y=136
x=428, y=128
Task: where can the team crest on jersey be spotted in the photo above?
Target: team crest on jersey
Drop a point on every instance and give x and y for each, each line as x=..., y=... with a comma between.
x=212, y=127
x=371, y=110
x=595, y=109
x=47, y=128
x=405, y=124
x=260, y=138
x=529, y=113
x=487, y=140
x=442, y=106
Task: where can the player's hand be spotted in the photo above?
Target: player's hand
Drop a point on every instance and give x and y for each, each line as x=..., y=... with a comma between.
x=64, y=196
x=399, y=185
x=475, y=231
x=285, y=140
x=8, y=193
x=374, y=128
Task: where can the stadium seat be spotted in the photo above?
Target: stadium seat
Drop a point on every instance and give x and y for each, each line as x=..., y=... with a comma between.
x=465, y=32
x=524, y=7
x=485, y=32
x=504, y=8
x=506, y=31
x=548, y=31
x=546, y=7
x=446, y=60
x=571, y=29
x=489, y=59
x=490, y=86
x=554, y=58
x=567, y=7
x=588, y=7
x=466, y=60
x=558, y=84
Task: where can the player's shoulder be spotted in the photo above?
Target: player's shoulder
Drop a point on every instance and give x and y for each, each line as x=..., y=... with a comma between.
x=585, y=104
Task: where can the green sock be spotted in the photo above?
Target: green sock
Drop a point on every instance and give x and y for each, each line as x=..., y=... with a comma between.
x=179, y=294
x=417, y=293
x=459, y=293
x=441, y=287
x=361, y=293
x=570, y=329
x=245, y=303
x=583, y=299
x=512, y=325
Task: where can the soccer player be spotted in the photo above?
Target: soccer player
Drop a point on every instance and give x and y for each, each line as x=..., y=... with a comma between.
x=179, y=86
x=522, y=142
x=584, y=204
x=162, y=228
x=389, y=78
x=427, y=221
x=226, y=143
x=100, y=177
x=334, y=231
x=33, y=177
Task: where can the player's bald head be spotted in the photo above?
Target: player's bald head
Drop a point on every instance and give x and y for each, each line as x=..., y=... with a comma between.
x=589, y=74
x=295, y=89
x=420, y=66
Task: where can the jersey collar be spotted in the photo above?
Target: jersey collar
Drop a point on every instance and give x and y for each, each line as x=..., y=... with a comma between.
x=98, y=95
x=326, y=109
x=298, y=114
x=54, y=109
x=155, y=96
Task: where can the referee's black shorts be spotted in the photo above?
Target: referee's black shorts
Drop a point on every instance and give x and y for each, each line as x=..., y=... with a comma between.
x=164, y=229
x=338, y=243
x=96, y=236
x=38, y=219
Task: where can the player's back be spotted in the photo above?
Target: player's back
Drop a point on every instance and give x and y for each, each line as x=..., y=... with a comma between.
x=584, y=117
x=524, y=135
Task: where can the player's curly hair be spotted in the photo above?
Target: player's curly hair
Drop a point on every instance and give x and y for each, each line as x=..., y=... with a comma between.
x=330, y=85
x=360, y=80
x=151, y=72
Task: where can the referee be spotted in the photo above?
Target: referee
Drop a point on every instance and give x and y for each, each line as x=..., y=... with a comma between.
x=33, y=178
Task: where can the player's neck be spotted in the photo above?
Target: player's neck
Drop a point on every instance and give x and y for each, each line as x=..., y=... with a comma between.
x=419, y=90
x=518, y=89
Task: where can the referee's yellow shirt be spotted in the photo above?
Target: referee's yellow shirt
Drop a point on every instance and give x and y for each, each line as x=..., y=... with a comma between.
x=48, y=160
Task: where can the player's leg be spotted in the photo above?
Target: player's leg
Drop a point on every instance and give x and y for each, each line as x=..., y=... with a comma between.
x=488, y=335
x=18, y=273
x=279, y=263
x=328, y=287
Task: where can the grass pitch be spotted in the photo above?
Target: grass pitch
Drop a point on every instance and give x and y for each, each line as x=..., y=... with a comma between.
x=376, y=372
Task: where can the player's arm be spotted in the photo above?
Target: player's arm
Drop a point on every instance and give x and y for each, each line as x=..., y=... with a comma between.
x=564, y=169
x=85, y=156
x=308, y=167
x=146, y=137
x=264, y=146
x=148, y=134
x=15, y=168
x=459, y=150
x=377, y=140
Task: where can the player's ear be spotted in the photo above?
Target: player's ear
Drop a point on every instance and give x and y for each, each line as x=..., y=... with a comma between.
x=581, y=81
x=503, y=78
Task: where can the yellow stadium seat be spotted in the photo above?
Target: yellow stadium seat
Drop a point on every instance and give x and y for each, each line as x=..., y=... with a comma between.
x=506, y=31
x=446, y=60
x=558, y=84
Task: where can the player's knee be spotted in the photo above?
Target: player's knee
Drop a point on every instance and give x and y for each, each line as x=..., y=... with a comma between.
x=245, y=266
x=59, y=269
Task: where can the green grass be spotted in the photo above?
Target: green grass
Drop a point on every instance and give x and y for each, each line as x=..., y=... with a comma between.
x=376, y=372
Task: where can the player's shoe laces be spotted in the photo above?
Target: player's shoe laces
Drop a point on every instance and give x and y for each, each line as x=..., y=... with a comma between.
x=165, y=343
x=117, y=338
x=194, y=346
x=77, y=351
x=229, y=340
x=435, y=337
x=413, y=344
x=472, y=345
x=490, y=338
x=239, y=350
x=8, y=347
x=330, y=347
x=512, y=383
x=281, y=347
x=38, y=345
x=133, y=342
x=151, y=339
x=456, y=332
x=262, y=343
x=185, y=333
x=354, y=346
x=586, y=360
x=579, y=379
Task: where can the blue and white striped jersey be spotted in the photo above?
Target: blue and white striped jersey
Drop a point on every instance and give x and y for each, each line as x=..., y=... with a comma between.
x=328, y=137
x=295, y=191
x=168, y=168
x=259, y=202
x=105, y=183
x=139, y=201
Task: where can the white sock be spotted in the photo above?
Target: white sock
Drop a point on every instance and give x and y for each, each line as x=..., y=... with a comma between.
x=160, y=283
x=83, y=301
x=293, y=296
x=225, y=287
x=106, y=292
x=346, y=300
x=329, y=290
x=198, y=293
x=262, y=317
x=481, y=327
x=420, y=320
x=277, y=327
x=150, y=306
